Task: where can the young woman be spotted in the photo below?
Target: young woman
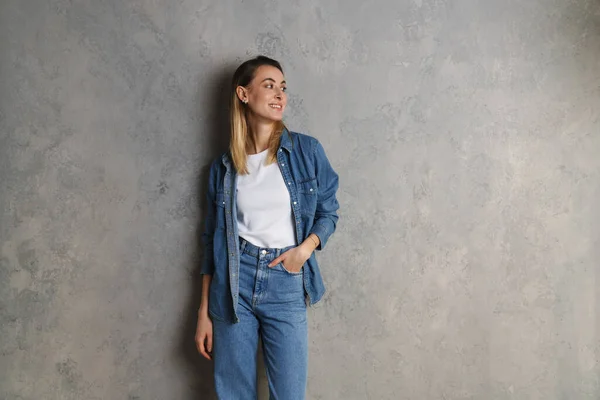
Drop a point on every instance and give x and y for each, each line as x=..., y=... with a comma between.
x=271, y=204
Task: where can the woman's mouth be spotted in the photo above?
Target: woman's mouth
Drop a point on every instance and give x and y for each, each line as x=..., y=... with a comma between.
x=275, y=106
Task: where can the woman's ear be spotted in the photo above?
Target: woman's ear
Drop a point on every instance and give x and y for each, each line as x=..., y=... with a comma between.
x=241, y=94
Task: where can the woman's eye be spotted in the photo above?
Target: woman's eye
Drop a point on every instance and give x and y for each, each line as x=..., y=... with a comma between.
x=284, y=89
x=269, y=86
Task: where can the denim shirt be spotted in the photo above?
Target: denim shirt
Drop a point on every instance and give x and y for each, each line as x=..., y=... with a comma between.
x=312, y=185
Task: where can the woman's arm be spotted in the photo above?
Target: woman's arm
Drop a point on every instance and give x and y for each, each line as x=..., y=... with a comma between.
x=204, y=329
x=203, y=310
x=204, y=332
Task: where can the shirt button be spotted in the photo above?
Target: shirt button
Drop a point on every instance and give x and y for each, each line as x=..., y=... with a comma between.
x=223, y=202
x=294, y=203
x=289, y=183
x=310, y=189
x=283, y=165
x=263, y=252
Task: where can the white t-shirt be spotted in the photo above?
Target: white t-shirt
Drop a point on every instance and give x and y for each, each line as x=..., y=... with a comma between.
x=264, y=212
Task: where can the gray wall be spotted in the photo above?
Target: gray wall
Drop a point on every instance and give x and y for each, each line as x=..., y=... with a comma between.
x=467, y=138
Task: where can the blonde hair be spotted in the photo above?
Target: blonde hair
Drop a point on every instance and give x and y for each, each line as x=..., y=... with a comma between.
x=238, y=114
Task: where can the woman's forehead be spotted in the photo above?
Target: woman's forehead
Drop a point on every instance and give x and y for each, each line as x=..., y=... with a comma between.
x=267, y=71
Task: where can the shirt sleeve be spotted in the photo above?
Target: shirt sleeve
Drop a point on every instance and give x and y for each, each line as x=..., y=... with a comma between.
x=208, y=260
x=326, y=216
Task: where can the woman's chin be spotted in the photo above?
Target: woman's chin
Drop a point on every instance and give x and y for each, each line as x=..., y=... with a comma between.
x=275, y=118
x=270, y=117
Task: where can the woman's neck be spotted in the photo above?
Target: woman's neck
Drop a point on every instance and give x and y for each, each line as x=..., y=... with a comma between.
x=260, y=134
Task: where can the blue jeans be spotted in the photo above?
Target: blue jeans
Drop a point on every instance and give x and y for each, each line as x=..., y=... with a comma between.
x=271, y=303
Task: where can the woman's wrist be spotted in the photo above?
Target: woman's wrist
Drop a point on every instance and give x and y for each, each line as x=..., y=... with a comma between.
x=314, y=239
x=311, y=242
x=203, y=311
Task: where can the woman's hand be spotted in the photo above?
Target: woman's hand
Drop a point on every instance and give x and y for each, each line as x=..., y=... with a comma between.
x=294, y=258
x=204, y=335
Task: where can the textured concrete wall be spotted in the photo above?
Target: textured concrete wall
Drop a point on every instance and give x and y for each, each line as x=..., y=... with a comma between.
x=467, y=138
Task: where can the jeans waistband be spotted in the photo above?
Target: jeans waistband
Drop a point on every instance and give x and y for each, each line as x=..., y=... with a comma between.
x=255, y=251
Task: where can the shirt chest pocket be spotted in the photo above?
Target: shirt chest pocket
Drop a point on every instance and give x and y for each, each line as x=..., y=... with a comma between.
x=307, y=194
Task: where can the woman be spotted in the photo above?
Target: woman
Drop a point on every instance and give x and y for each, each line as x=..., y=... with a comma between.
x=271, y=204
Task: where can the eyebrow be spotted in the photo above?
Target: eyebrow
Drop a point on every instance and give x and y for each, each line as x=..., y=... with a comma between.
x=271, y=79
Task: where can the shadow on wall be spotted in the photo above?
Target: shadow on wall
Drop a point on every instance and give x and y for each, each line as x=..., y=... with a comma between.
x=199, y=371
x=215, y=134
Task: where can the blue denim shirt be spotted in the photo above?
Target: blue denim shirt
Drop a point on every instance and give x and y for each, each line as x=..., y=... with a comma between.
x=312, y=184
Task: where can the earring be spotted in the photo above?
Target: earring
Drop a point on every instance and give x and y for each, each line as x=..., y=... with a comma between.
x=245, y=101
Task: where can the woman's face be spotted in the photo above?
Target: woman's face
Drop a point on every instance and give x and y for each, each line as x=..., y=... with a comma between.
x=265, y=94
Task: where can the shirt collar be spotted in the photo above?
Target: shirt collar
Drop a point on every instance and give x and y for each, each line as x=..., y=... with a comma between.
x=286, y=140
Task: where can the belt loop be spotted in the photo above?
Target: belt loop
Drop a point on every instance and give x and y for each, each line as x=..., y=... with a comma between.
x=243, y=245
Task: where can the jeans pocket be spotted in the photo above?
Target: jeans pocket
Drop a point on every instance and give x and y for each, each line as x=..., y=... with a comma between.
x=281, y=266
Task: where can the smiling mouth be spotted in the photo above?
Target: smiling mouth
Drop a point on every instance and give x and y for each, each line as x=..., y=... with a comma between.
x=275, y=106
